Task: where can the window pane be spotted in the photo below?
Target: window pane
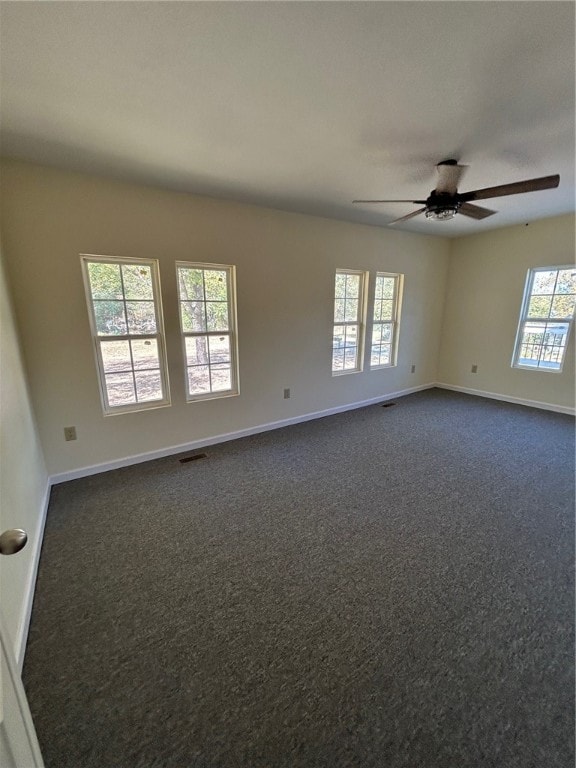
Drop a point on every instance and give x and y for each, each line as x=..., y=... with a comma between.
x=385, y=354
x=562, y=306
x=551, y=355
x=115, y=356
x=215, y=285
x=381, y=354
x=542, y=345
x=338, y=359
x=352, y=286
x=539, y=306
x=196, y=350
x=544, y=282
x=379, y=287
x=387, y=332
x=351, y=310
x=148, y=386
x=382, y=332
x=338, y=336
x=110, y=318
x=340, y=291
x=556, y=333
x=120, y=389
x=191, y=283
x=387, y=308
x=566, y=281
x=388, y=285
x=193, y=317
x=530, y=348
x=198, y=380
x=534, y=332
x=141, y=317
x=339, y=305
x=219, y=349
x=105, y=282
x=350, y=335
x=350, y=358
x=137, y=281
x=221, y=378
x=217, y=315
x=145, y=354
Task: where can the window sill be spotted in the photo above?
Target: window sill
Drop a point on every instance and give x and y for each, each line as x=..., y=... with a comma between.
x=212, y=396
x=137, y=408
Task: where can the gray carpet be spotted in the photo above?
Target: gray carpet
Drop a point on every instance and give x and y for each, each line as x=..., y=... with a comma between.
x=389, y=587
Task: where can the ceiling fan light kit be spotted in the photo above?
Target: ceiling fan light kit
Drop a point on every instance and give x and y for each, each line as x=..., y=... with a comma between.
x=445, y=201
x=441, y=214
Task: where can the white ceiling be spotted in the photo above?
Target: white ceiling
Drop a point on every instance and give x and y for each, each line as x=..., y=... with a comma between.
x=301, y=106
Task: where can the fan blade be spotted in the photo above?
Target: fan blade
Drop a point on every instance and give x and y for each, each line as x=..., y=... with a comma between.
x=475, y=211
x=449, y=174
x=414, y=202
x=409, y=216
x=518, y=187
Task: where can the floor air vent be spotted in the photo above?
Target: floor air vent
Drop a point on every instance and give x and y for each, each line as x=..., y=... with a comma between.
x=193, y=458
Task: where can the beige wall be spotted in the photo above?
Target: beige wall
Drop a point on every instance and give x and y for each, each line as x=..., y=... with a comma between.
x=285, y=273
x=23, y=477
x=486, y=282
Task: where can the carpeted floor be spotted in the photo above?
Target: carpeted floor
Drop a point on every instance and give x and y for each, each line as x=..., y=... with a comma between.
x=384, y=588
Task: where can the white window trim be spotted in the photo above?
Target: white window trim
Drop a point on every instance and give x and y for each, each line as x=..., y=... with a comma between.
x=159, y=336
x=232, y=332
x=395, y=322
x=524, y=319
x=360, y=320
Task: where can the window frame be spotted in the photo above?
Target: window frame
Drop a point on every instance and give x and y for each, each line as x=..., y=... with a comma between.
x=159, y=336
x=232, y=332
x=360, y=320
x=524, y=319
x=395, y=321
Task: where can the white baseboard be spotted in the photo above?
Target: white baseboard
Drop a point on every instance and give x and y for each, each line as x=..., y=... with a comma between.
x=509, y=399
x=22, y=632
x=223, y=438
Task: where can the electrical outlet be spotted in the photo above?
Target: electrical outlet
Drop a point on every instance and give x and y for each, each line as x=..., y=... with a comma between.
x=286, y=394
x=474, y=369
x=413, y=369
x=69, y=433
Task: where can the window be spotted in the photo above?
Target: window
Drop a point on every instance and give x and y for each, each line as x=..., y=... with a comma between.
x=207, y=297
x=546, y=318
x=385, y=320
x=349, y=315
x=126, y=320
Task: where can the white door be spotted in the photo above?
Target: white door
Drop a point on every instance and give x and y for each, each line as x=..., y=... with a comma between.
x=18, y=743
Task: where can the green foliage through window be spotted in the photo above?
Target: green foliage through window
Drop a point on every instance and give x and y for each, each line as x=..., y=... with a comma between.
x=385, y=321
x=206, y=316
x=348, y=311
x=125, y=320
x=546, y=319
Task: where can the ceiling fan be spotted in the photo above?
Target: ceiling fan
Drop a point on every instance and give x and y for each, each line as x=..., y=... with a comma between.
x=445, y=201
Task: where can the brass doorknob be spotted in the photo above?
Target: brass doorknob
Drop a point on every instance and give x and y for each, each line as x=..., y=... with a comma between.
x=12, y=541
